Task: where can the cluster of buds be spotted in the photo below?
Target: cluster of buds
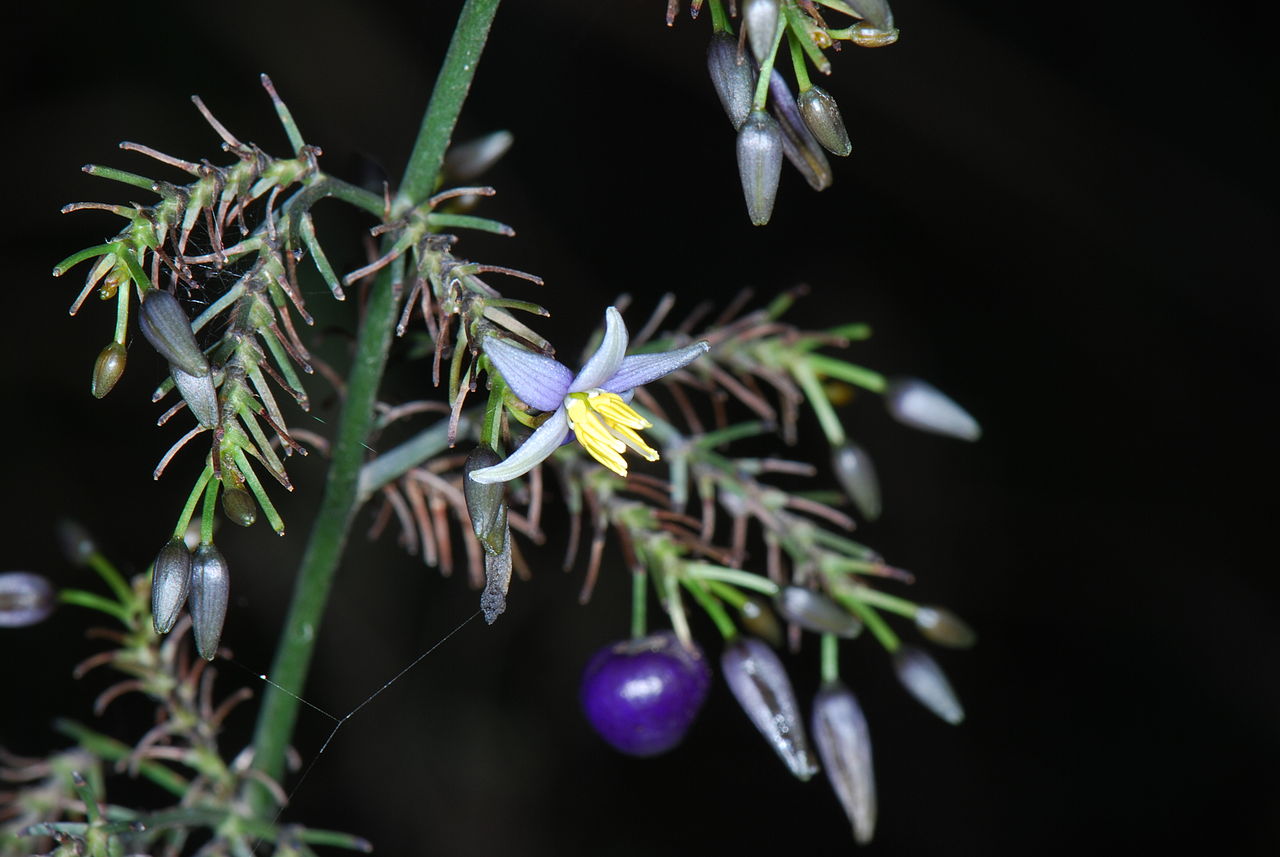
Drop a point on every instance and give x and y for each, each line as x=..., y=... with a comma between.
x=771, y=122
x=253, y=224
x=62, y=799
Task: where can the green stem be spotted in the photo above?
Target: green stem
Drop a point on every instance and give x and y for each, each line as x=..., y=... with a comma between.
x=639, y=604
x=766, y=72
x=719, y=20
x=830, y=658
x=338, y=506
x=446, y=102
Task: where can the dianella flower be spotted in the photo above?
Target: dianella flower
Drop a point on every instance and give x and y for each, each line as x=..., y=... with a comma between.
x=593, y=404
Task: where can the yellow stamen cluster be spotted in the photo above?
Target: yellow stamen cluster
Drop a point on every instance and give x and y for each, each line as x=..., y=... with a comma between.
x=606, y=426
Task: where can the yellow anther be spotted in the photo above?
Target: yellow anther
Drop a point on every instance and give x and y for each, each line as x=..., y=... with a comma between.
x=606, y=426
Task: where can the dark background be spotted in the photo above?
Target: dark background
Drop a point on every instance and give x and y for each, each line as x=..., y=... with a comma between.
x=1065, y=219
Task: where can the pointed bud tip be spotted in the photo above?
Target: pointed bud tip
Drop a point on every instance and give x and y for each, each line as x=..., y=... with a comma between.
x=924, y=679
x=822, y=117
x=210, y=590
x=922, y=406
x=760, y=153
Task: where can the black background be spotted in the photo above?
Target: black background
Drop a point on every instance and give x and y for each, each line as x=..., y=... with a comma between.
x=1063, y=218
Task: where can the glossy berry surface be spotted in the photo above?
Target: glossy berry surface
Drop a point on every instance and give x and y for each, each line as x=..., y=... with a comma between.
x=642, y=695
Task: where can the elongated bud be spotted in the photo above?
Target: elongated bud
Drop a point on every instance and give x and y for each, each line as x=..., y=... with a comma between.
x=760, y=164
x=815, y=612
x=485, y=502
x=497, y=577
x=76, y=543
x=945, y=628
x=857, y=476
x=760, y=18
x=822, y=117
x=872, y=37
x=759, y=682
x=238, y=505
x=465, y=161
x=922, y=406
x=874, y=13
x=798, y=144
x=170, y=584
x=165, y=325
x=759, y=619
x=107, y=369
x=732, y=76
x=210, y=589
x=25, y=599
x=925, y=680
x=199, y=394
x=844, y=745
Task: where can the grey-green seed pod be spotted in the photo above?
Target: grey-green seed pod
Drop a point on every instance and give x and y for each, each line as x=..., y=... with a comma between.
x=25, y=599
x=239, y=505
x=844, y=745
x=210, y=589
x=199, y=394
x=107, y=369
x=925, y=680
x=822, y=116
x=760, y=684
x=170, y=584
x=798, y=144
x=164, y=323
x=486, y=502
x=815, y=612
x=922, y=406
x=760, y=164
x=732, y=76
x=857, y=476
x=760, y=18
x=945, y=628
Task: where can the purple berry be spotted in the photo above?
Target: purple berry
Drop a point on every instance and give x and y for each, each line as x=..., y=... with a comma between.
x=642, y=695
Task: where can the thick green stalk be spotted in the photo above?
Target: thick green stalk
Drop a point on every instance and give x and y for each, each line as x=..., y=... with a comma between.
x=329, y=532
x=446, y=102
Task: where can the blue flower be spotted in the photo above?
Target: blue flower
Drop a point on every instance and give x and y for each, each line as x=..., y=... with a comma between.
x=592, y=404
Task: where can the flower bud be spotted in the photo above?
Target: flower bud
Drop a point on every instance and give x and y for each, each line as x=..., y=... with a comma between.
x=732, y=76
x=760, y=18
x=165, y=325
x=798, y=144
x=239, y=505
x=822, y=117
x=844, y=745
x=924, y=679
x=485, y=502
x=922, y=406
x=874, y=13
x=497, y=577
x=857, y=476
x=945, y=628
x=758, y=618
x=466, y=161
x=815, y=612
x=25, y=599
x=760, y=164
x=872, y=37
x=170, y=583
x=199, y=394
x=210, y=588
x=759, y=682
x=76, y=543
x=107, y=369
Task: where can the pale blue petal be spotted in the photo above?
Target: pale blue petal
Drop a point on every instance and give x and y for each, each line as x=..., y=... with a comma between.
x=544, y=441
x=539, y=381
x=639, y=369
x=608, y=356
